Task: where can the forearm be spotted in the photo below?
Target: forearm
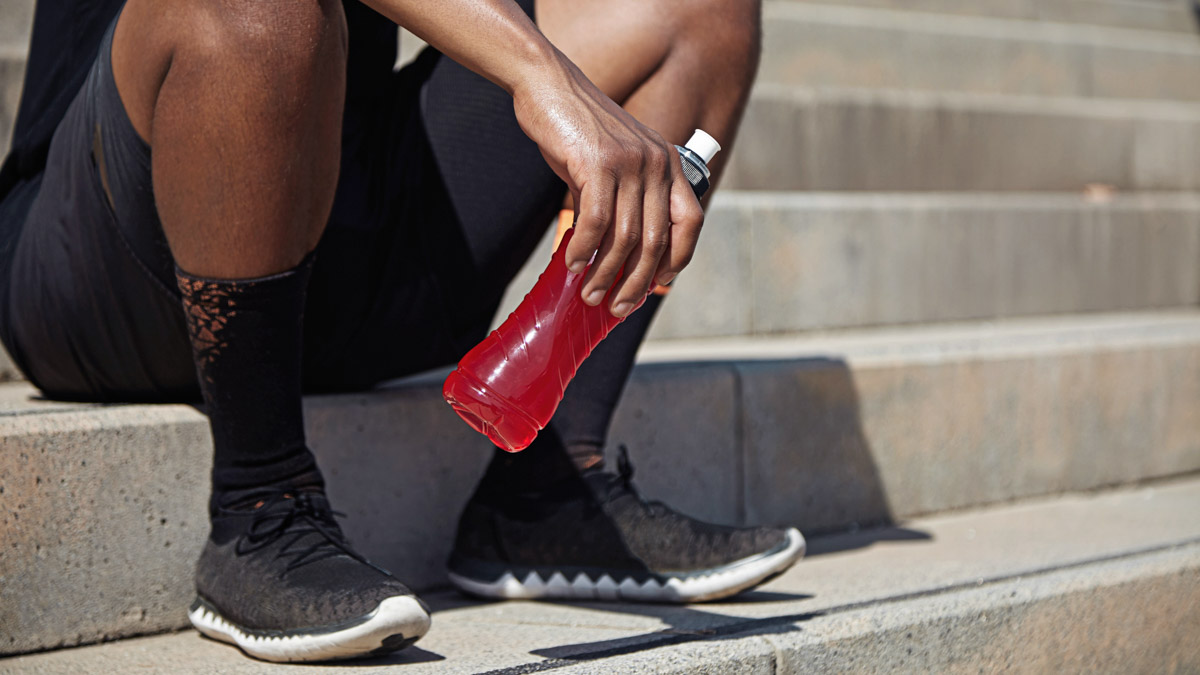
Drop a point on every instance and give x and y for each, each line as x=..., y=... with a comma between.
x=493, y=38
x=633, y=202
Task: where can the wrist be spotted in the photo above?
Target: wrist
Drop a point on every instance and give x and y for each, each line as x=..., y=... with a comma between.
x=541, y=66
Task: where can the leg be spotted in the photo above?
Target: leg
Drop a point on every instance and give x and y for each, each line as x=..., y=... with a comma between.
x=243, y=168
x=675, y=70
x=229, y=103
x=241, y=104
x=523, y=528
x=674, y=66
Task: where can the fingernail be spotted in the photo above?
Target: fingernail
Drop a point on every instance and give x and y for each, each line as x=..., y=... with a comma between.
x=623, y=308
x=666, y=278
x=577, y=266
x=595, y=297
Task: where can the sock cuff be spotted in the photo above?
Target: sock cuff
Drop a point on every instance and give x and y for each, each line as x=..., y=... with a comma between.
x=194, y=287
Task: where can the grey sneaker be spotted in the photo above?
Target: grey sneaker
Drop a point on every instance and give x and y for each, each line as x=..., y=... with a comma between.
x=278, y=579
x=595, y=537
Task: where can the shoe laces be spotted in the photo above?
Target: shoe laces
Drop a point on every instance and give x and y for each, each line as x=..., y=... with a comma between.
x=308, y=523
x=625, y=474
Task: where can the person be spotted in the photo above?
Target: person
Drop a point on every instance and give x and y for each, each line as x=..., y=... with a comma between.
x=243, y=201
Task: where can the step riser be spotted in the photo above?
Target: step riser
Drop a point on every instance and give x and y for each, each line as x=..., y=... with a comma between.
x=813, y=442
x=774, y=263
x=16, y=21
x=8, y=371
x=1060, y=624
x=889, y=141
x=11, y=73
x=813, y=46
x=893, y=141
x=1167, y=16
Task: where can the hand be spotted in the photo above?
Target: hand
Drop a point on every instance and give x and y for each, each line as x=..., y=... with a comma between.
x=633, y=207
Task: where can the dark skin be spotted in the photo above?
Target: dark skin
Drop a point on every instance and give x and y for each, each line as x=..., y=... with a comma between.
x=241, y=101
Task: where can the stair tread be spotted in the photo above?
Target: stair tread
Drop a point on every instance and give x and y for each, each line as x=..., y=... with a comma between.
x=860, y=582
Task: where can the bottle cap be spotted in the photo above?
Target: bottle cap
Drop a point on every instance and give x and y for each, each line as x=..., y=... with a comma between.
x=704, y=145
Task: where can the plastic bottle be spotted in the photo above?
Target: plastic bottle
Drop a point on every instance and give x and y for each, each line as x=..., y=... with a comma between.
x=508, y=386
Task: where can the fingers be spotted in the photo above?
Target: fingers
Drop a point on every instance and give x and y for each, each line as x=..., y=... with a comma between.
x=594, y=210
x=642, y=222
x=687, y=217
x=643, y=261
x=618, y=244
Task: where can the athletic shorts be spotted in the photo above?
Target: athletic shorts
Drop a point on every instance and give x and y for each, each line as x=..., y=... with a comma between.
x=440, y=200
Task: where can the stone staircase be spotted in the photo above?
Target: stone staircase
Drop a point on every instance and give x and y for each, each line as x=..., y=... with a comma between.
x=954, y=265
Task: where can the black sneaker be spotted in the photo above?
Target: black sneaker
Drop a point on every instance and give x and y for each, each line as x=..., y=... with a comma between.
x=279, y=580
x=594, y=537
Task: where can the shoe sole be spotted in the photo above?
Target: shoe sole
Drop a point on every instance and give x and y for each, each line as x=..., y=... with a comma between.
x=711, y=584
x=395, y=624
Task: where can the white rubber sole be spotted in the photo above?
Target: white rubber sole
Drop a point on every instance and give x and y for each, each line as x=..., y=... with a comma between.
x=397, y=622
x=719, y=583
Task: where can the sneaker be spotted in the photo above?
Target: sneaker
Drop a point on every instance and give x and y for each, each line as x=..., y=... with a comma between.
x=594, y=536
x=279, y=580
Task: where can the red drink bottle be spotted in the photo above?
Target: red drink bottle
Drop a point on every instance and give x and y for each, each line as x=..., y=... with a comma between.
x=509, y=385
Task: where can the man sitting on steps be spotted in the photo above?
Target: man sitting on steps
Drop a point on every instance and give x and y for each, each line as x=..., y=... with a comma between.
x=240, y=201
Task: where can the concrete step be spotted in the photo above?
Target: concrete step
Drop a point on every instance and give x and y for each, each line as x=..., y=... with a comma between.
x=1100, y=582
x=885, y=140
x=890, y=140
x=830, y=45
x=1170, y=15
x=16, y=22
x=8, y=371
x=103, y=507
x=772, y=262
x=12, y=73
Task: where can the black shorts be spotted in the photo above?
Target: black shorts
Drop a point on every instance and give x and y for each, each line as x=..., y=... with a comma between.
x=440, y=200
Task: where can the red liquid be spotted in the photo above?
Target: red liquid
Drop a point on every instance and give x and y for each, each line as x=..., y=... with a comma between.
x=509, y=385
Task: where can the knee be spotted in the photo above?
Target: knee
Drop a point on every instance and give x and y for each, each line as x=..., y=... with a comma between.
x=728, y=32
x=281, y=38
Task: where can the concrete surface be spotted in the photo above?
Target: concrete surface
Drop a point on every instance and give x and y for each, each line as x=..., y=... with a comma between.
x=822, y=432
x=776, y=262
x=16, y=22
x=893, y=140
x=814, y=45
x=12, y=71
x=1170, y=15
x=989, y=411
x=8, y=370
x=1090, y=582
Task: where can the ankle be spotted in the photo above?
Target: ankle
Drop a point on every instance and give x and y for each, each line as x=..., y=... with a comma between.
x=244, y=497
x=586, y=456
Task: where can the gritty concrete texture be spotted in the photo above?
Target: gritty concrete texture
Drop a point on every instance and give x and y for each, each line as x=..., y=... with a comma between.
x=16, y=22
x=775, y=262
x=681, y=423
x=815, y=45
x=102, y=511
x=887, y=140
x=864, y=427
x=12, y=71
x=1173, y=15
x=417, y=475
x=103, y=506
x=8, y=370
x=1079, y=583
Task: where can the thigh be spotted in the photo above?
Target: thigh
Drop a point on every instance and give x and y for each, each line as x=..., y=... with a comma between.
x=90, y=313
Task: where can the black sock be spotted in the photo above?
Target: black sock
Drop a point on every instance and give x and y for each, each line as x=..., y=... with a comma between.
x=574, y=439
x=583, y=417
x=246, y=341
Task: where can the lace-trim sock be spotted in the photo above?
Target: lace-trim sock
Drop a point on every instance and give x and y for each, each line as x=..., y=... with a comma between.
x=246, y=337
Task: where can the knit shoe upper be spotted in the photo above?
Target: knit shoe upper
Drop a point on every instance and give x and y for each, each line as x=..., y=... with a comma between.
x=280, y=574
x=596, y=532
